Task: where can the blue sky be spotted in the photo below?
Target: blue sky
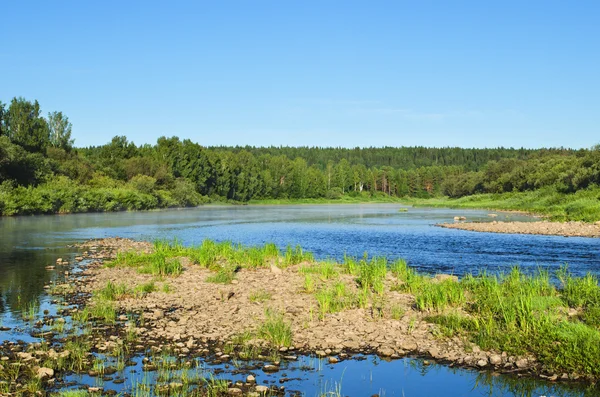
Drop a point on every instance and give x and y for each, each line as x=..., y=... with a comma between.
x=316, y=73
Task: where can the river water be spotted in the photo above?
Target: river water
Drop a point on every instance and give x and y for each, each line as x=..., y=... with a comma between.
x=29, y=244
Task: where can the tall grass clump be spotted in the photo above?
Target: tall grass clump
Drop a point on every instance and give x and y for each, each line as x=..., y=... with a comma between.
x=325, y=270
x=439, y=296
x=159, y=264
x=224, y=275
x=579, y=291
x=335, y=298
x=371, y=274
x=296, y=255
x=275, y=329
x=112, y=291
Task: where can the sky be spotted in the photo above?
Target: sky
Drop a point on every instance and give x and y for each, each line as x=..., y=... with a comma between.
x=311, y=73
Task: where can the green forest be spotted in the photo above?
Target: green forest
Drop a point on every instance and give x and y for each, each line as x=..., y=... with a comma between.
x=43, y=172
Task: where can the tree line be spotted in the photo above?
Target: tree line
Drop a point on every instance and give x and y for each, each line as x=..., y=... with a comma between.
x=42, y=172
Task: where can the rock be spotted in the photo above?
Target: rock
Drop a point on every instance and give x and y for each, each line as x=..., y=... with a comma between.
x=250, y=379
x=408, y=345
x=492, y=215
x=495, y=359
x=434, y=352
x=262, y=389
x=158, y=314
x=276, y=270
x=44, y=372
x=24, y=356
x=234, y=391
x=270, y=368
x=522, y=363
x=320, y=353
x=385, y=351
x=482, y=363
x=351, y=344
x=333, y=360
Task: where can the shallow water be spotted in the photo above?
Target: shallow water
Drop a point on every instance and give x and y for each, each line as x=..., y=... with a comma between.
x=29, y=244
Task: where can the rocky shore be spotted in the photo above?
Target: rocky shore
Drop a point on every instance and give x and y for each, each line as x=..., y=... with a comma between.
x=189, y=316
x=196, y=314
x=567, y=229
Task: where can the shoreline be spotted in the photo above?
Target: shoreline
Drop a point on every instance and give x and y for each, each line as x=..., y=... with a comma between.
x=198, y=314
x=545, y=228
x=226, y=304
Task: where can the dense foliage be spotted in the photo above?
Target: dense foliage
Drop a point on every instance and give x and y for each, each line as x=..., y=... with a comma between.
x=41, y=171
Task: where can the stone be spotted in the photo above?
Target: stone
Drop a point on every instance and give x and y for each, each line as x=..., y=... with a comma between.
x=270, y=368
x=385, y=351
x=250, y=379
x=276, y=270
x=320, y=353
x=234, y=391
x=522, y=363
x=333, y=360
x=482, y=363
x=262, y=389
x=24, y=356
x=408, y=345
x=158, y=314
x=495, y=359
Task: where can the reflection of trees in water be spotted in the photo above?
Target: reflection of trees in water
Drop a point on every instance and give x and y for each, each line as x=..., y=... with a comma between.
x=493, y=384
x=526, y=387
x=22, y=278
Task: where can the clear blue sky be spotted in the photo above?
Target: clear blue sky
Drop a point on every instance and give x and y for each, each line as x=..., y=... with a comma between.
x=317, y=73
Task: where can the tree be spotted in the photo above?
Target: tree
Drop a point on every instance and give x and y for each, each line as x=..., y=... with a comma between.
x=2, y=119
x=26, y=127
x=60, y=131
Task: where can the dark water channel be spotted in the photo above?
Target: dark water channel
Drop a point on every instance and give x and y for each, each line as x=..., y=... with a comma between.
x=29, y=244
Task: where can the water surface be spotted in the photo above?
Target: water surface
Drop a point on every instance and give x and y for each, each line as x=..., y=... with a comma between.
x=29, y=244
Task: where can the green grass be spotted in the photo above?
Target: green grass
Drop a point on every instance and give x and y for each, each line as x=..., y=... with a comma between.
x=335, y=298
x=113, y=292
x=225, y=275
x=260, y=296
x=71, y=393
x=584, y=205
x=275, y=329
x=158, y=263
x=325, y=270
x=371, y=274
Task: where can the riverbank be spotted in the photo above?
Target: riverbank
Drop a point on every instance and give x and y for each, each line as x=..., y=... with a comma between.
x=566, y=229
x=259, y=310
x=583, y=206
x=249, y=301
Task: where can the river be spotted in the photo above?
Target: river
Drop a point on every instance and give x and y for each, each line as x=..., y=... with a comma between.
x=29, y=244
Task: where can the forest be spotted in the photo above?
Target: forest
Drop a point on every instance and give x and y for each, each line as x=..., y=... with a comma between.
x=43, y=172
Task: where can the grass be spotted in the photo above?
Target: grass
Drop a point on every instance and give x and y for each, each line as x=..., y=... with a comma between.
x=225, y=275
x=584, y=205
x=335, y=298
x=113, y=292
x=30, y=312
x=71, y=393
x=260, y=296
x=275, y=329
